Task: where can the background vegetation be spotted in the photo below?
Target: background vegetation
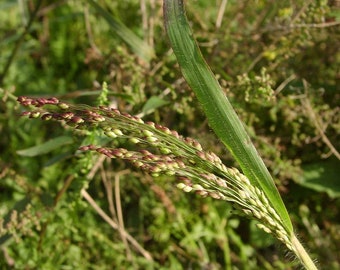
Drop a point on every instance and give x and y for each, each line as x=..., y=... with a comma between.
x=279, y=64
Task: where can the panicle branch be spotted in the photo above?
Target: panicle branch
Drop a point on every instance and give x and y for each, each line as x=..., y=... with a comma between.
x=197, y=170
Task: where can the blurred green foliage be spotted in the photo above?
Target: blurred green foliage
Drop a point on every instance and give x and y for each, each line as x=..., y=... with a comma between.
x=279, y=64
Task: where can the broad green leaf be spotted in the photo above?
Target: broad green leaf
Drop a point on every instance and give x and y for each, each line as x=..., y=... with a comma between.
x=46, y=147
x=220, y=113
x=322, y=176
x=138, y=46
x=153, y=103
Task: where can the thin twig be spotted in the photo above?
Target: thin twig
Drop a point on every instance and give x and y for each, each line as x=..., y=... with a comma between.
x=109, y=195
x=255, y=61
x=144, y=13
x=114, y=225
x=121, y=228
x=89, y=30
x=284, y=84
x=318, y=123
x=46, y=9
x=151, y=24
x=67, y=183
x=220, y=14
x=9, y=260
x=301, y=11
x=124, y=235
x=95, y=167
x=301, y=25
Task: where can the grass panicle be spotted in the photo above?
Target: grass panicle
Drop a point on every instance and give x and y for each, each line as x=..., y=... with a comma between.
x=197, y=170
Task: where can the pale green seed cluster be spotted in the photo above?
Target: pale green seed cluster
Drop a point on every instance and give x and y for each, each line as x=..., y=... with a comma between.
x=198, y=171
x=245, y=196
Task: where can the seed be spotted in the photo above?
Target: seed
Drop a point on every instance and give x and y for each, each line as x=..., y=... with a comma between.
x=198, y=187
x=118, y=132
x=77, y=120
x=165, y=151
x=46, y=116
x=110, y=134
x=187, y=189
x=34, y=114
x=151, y=139
x=134, y=140
x=63, y=105
x=181, y=185
x=147, y=133
x=67, y=115
x=150, y=124
x=99, y=118
x=264, y=228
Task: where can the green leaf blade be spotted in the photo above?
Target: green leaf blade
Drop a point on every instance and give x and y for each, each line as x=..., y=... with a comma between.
x=138, y=46
x=220, y=113
x=46, y=147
